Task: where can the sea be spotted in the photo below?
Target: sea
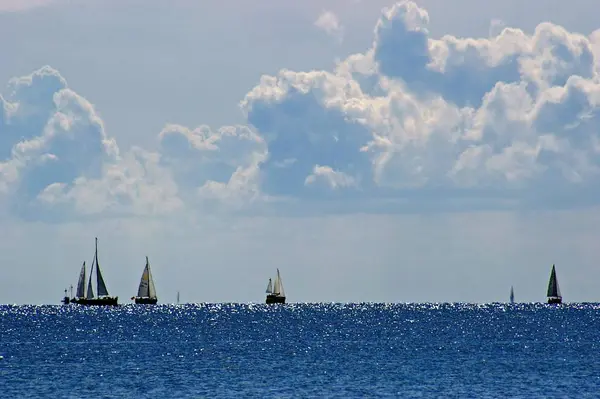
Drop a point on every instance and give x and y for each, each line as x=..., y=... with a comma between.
x=359, y=350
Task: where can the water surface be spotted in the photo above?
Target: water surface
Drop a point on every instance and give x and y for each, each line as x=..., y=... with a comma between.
x=301, y=350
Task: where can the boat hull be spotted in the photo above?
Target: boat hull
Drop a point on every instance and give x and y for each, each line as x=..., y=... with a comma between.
x=145, y=300
x=554, y=300
x=104, y=301
x=275, y=299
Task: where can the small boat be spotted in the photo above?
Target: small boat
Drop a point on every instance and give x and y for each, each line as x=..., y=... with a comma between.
x=178, y=297
x=275, y=293
x=512, y=295
x=146, y=292
x=87, y=297
x=554, y=296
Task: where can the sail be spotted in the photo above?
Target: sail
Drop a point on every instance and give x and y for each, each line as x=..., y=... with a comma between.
x=553, y=288
x=102, y=291
x=151, y=288
x=90, y=291
x=81, y=283
x=269, y=287
x=146, y=288
x=512, y=295
x=143, y=288
x=278, y=285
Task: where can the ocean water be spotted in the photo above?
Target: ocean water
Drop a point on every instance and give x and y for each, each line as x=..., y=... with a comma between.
x=301, y=350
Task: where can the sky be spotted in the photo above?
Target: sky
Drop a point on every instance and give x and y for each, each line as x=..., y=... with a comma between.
x=373, y=151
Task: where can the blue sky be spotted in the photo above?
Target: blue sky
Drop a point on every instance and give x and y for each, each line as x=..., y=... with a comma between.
x=373, y=151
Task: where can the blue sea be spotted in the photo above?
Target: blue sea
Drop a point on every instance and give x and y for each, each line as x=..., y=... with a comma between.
x=301, y=351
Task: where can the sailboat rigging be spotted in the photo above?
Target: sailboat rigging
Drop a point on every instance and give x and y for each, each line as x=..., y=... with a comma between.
x=85, y=296
x=554, y=295
x=275, y=292
x=146, y=291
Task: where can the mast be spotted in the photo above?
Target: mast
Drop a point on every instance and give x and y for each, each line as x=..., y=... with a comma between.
x=512, y=295
x=178, y=297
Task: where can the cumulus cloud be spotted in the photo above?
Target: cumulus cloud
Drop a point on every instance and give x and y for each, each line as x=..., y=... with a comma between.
x=133, y=184
x=329, y=23
x=48, y=134
x=513, y=112
x=57, y=159
x=506, y=120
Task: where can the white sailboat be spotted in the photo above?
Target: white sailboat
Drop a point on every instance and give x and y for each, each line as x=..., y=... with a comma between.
x=146, y=291
x=275, y=291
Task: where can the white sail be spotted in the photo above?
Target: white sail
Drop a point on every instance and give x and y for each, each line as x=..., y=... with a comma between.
x=269, y=287
x=102, y=291
x=143, y=287
x=146, y=288
x=81, y=283
x=151, y=288
x=278, y=285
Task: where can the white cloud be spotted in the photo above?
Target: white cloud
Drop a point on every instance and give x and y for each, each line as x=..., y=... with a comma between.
x=134, y=184
x=330, y=24
x=510, y=112
x=330, y=177
x=513, y=114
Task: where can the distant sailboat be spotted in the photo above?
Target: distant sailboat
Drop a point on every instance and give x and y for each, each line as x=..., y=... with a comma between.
x=146, y=292
x=512, y=295
x=178, y=297
x=554, y=295
x=85, y=296
x=275, y=292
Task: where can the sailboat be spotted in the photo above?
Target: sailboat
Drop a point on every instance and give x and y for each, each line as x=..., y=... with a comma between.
x=512, y=295
x=554, y=295
x=85, y=296
x=146, y=292
x=275, y=293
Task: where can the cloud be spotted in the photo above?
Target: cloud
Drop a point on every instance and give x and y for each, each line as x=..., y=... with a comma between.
x=330, y=177
x=464, y=70
x=22, y=5
x=329, y=23
x=413, y=122
x=133, y=184
x=511, y=115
